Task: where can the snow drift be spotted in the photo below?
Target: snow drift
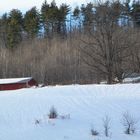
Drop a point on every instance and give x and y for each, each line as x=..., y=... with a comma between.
x=79, y=108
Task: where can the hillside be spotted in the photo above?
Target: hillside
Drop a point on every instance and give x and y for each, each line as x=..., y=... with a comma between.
x=80, y=108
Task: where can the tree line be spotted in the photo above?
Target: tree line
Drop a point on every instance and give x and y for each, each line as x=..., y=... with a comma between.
x=60, y=45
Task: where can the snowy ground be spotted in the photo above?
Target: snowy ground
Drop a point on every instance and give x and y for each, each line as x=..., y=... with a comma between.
x=87, y=105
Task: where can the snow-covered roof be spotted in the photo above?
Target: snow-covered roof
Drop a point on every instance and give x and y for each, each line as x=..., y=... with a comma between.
x=129, y=80
x=15, y=80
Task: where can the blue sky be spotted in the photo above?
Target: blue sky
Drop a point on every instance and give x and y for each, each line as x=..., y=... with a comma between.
x=24, y=5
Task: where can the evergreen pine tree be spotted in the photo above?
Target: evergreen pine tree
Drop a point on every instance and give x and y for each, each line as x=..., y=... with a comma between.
x=32, y=22
x=15, y=27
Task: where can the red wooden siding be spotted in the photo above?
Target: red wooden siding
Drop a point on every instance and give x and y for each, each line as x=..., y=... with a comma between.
x=13, y=86
x=32, y=82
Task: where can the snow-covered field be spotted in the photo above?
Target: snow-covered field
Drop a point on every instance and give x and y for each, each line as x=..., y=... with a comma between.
x=83, y=106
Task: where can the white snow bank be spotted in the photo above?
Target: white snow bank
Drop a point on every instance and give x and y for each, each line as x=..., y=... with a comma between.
x=86, y=106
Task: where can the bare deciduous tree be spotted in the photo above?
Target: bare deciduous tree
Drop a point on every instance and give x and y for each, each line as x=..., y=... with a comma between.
x=106, y=125
x=129, y=123
x=109, y=43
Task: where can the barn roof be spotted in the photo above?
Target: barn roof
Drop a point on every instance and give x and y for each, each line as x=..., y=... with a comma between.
x=15, y=80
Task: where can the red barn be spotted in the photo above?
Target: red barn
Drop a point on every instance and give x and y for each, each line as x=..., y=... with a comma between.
x=17, y=83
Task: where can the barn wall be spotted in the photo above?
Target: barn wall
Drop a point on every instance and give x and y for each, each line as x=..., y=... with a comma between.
x=12, y=86
x=32, y=82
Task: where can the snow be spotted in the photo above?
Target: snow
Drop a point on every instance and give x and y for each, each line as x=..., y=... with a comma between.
x=80, y=108
x=13, y=80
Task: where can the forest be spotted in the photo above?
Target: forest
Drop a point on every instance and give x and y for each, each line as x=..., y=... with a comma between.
x=95, y=42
